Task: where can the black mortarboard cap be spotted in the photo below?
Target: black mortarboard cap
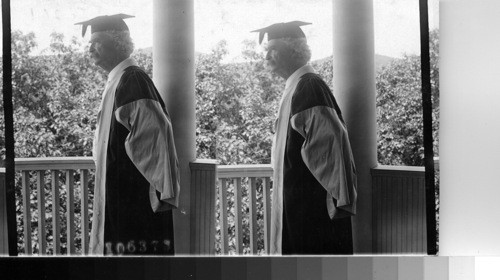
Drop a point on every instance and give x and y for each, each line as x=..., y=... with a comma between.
x=105, y=23
x=282, y=30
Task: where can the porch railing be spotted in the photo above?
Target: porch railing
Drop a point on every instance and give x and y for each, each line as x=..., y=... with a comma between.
x=58, y=222
x=244, y=194
x=61, y=187
x=398, y=201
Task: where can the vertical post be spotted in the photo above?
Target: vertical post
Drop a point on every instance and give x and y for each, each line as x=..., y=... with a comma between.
x=173, y=74
x=10, y=196
x=252, y=193
x=4, y=241
x=56, y=224
x=70, y=213
x=238, y=221
x=223, y=216
x=42, y=241
x=430, y=189
x=84, y=210
x=354, y=88
x=267, y=213
x=26, y=193
x=203, y=196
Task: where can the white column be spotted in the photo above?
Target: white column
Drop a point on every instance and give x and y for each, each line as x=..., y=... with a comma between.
x=173, y=74
x=354, y=88
x=469, y=144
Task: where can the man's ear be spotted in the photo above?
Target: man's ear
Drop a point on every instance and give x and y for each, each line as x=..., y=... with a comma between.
x=285, y=56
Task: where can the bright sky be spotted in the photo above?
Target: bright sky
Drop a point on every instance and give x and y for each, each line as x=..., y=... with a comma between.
x=396, y=22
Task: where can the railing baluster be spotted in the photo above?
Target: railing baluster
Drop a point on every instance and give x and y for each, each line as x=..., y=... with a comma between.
x=415, y=207
x=70, y=211
x=267, y=213
x=26, y=212
x=423, y=218
x=84, y=197
x=4, y=231
x=379, y=211
x=56, y=225
x=223, y=216
x=41, y=211
x=253, y=216
x=237, y=212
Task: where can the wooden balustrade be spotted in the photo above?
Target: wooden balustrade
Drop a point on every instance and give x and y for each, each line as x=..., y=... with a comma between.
x=241, y=183
x=399, y=224
x=46, y=176
x=203, y=196
x=243, y=206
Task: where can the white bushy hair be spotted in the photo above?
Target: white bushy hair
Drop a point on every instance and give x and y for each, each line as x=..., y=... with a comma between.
x=299, y=49
x=122, y=41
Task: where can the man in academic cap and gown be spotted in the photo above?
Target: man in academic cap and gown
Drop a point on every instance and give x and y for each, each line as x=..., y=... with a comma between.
x=314, y=181
x=137, y=176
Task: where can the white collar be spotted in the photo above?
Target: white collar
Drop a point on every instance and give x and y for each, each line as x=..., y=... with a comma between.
x=298, y=73
x=120, y=67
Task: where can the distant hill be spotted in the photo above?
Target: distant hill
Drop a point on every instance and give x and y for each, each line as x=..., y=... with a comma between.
x=380, y=60
x=149, y=51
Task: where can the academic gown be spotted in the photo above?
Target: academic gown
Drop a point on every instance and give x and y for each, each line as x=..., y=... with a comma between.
x=137, y=181
x=316, y=177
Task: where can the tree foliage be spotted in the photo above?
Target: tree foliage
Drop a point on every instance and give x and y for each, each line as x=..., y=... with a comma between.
x=236, y=105
x=399, y=108
x=56, y=96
